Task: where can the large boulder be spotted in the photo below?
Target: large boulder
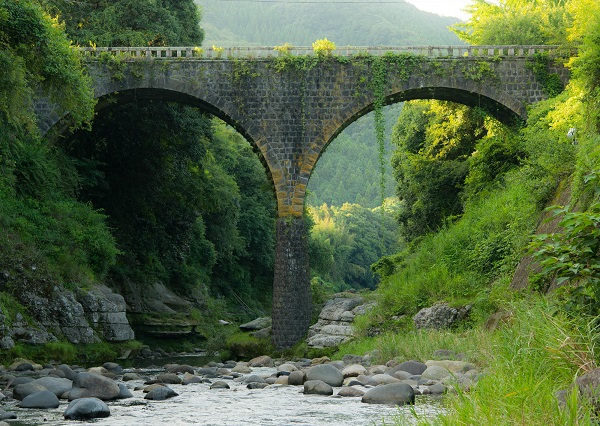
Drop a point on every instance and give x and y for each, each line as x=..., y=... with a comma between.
x=88, y=385
x=58, y=386
x=326, y=373
x=440, y=316
x=105, y=311
x=25, y=389
x=86, y=408
x=393, y=394
x=257, y=324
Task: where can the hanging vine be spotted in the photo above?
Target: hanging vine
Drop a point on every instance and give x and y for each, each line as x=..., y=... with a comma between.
x=379, y=77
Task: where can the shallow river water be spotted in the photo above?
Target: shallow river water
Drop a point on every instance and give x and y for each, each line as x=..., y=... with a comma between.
x=199, y=405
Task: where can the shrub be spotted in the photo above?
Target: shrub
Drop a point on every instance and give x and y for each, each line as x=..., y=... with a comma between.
x=323, y=47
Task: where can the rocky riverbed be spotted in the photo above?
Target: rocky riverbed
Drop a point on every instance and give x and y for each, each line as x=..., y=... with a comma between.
x=262, y=391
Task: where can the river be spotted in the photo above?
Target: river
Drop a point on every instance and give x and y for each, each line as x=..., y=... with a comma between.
x=197, y=404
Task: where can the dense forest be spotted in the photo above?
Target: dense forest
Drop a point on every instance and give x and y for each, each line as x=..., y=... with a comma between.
x=360, y=24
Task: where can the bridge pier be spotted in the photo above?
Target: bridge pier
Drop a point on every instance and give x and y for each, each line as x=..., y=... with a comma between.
x=291, y=287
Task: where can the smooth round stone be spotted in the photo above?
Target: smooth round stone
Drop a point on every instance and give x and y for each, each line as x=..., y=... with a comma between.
x=86, y=408
x=161, y=393
x=412, y=367
x=20, y=381
x=169, y=378
x=242, y=367
x=88, y=385
x=256, y=385
x=253, y=379
x=354, y=370
x=7, y=415
x=317, y=387
x=180, y=369
x=435, y=373
x=124, y=392
x=437, y=389
x=349, y=391
x=220, y=385
x=296, y=378
x=392, y=394
x=281, y=380
x=58, y=386
x=287, y=368
x=43, y=399
x=326, y=373
x=22, y=391
x=131, y=376
x=385, y=379
x=188, y=379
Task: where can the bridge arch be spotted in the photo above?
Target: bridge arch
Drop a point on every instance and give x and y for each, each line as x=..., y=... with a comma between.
x=129, y=95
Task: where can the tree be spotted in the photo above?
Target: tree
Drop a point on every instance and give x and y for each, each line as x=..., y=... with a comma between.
x=434, y=143
x=515, y=22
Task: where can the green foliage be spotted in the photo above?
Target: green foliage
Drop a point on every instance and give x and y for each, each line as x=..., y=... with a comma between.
x=435, y=141
x=130, y=22
x=551, y=82
x=572, y=256
x=357, y=24
x=518, y=22
x=243, y=345
x=473, y=258
x=323, y=47
x=34, y=50
x=345, y=241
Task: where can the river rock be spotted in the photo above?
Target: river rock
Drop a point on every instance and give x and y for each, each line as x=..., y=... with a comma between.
x=7, y=415
x=263, y=333
x=161, y=393
x=257, y=324
x=282, y=380
x=452, y=366
x=326, y=373
x=25, y=389
x=124, y=392
x=169, y=378
x=317, y=387
x=88, y=385
x=393, y=394
x=69, y=373
x=384, y=379
x=242, y=368
x=43, y=399
x=261, y=361
x=354, y=370
x=180, y=369
x=188, y=379
x=435, y=372
x=349, y=391
x=334, y=325
x=253, y=379
x=412, y=367
x=256, y=385
x=287, y=367
x=14, y=381
x=588, y=385
x=220, y=385
x=58, y=386
x=131, y=376
x=86, y=408
x=297, y=378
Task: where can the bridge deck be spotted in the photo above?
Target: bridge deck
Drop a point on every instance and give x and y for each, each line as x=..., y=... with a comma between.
x=271, y=52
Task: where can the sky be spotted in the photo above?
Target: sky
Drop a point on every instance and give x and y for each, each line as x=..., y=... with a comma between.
x=443, y=7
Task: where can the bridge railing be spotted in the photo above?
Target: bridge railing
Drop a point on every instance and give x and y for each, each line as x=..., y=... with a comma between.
x=270, y=52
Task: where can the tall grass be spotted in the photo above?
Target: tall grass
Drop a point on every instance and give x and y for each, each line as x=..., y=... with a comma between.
x=526, y=362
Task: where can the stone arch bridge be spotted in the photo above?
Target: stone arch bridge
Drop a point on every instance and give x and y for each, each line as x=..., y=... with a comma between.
x=291, y=104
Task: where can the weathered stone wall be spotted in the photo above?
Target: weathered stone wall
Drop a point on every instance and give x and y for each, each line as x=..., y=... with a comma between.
x=291, y=288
